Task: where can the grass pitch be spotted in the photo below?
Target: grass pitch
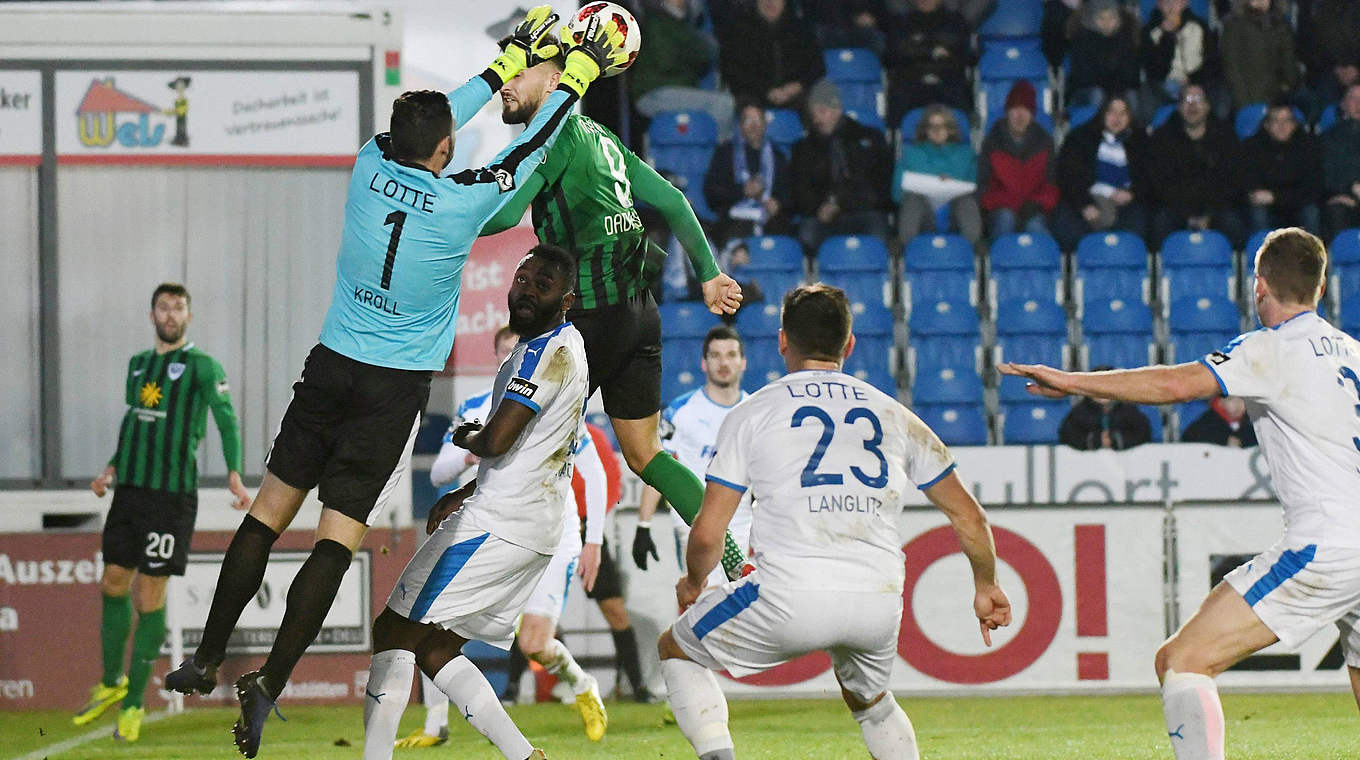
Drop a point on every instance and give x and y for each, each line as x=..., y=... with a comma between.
x=1260, y=727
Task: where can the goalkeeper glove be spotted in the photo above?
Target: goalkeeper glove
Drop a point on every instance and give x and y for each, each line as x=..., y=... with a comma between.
x=531, y=43
x=643, y=545
x=601, y=46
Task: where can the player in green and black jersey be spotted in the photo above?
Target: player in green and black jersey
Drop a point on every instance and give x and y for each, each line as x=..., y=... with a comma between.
x=170, y=389
x=582, y=197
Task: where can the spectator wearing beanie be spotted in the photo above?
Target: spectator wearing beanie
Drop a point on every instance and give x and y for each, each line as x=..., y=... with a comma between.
x=1015, y=168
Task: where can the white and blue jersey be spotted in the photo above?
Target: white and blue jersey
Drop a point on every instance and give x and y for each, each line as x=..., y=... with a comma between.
x=689, y=428
x=827, y=458
x=450, y=469
x=407, y=235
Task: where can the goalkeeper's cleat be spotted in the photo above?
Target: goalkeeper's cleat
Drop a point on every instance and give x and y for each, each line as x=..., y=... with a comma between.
x=256, y=705
x=538, y=754
x=733, y=558
x=129, y=724
x=592, y=710
x=190, y=677
x=101, y=698
x=419, y=739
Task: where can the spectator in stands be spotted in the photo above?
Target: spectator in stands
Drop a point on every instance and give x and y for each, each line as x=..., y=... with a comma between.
x=1193, y=177
x=769, y=56
x=1060, y=21
x=840, y=173
x=1341, y=166
x=1258, y=53
x=938, y=152
x=973, y=11
x=1224, y=423
x=1097, y=423
x=1282, y=173
x=1102, y=176
x=1176, y=45
x=1333, y=48
x=929, y=50
x=747, y=184
x=1103, y=55
x=678, y=56
x=847, y=23
x=1015, y=168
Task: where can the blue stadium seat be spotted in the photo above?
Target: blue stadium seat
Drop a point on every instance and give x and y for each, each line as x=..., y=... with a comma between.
x=680, y=366
x=1080, y=114
x=1013, y=18
x=852, y=253
x=865, y=111
x=1094, y=286
x=860, y=287
x=1161, y=116
x=680, y=144
x=859, y=78
x=1345, y=248
x=1116, y=315
x=1122, y=250
x=686, y=319
x=763, y=362
x=933, y=252
x=759, y=321
x=1349, y=318
x=962, y=425
x=1030, y=316
x=1327, y=119
x=938, y=268
x=944, y=318
x=1198, y=281
x=947, y=385
x=1186, y=248
x=927, y=351
x=929, y=287
x=1117, y=333
x=671, y=129
x=773, y=283
x=872, y=319
x=1118, y=350
x=873, y=329
x=784, y=129
x=879, y=378
x=1247, y=121
x=430, y=434
x=911, y=119
x=774, y=253
x=1025, y=266
x=1253, y=245
x=1187, y=413
x=993, y=101
x=1020, y=58
x=1010, y=284
x=1154, y=416
x=1027, y=349
x=1201, y=325
x=1035, y=423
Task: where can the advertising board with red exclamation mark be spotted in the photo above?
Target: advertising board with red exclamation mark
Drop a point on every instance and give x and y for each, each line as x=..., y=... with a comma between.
x=1093, y=658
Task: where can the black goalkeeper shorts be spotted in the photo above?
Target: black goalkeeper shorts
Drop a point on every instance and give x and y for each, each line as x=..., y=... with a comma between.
x=623, y=352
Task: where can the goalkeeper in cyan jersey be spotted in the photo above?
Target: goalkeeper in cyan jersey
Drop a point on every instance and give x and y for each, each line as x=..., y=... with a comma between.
x=582, y=198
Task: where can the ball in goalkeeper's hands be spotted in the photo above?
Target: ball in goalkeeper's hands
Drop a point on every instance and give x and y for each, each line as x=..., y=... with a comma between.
x=627, y=26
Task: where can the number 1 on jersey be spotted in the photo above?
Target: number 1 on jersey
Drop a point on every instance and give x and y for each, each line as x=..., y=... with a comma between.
x=397, y=219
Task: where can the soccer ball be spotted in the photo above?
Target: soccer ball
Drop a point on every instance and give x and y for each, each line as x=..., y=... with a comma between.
x=632, y=33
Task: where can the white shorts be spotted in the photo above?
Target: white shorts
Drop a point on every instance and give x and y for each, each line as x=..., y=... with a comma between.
x=745, y=628
x=549, y=597
x=468, y=581
x=1296, y=590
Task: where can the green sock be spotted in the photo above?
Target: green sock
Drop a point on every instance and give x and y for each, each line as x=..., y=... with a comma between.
x=685, y=492
x=113, y=635
x=146, y=649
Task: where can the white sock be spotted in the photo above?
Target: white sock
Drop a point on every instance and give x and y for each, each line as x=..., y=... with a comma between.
x=385, y=698
x=887, y=730
x=557, y=660
x=436, y=706
x=1194, y=716
x=476, y=701
x=699, y=707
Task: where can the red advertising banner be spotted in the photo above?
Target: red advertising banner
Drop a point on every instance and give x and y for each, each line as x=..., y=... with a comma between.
x=50, y=610
x=481, y=306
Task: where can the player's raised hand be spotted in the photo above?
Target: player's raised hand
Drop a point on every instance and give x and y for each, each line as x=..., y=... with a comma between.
x=1044, y=381
x=238, y=490
x=722, y=294
x=529, y=44
x=600, y=46
x=589, y=566
x=993, y=610
x=463, y=432
x=102, y=481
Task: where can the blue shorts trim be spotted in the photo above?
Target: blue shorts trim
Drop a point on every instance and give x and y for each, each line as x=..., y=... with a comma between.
x=447, y=566
x=1286, y=567
x=727, y=609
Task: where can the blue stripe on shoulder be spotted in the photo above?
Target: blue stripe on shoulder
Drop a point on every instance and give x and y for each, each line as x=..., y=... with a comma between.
x=1287, y=566
x=678, y=402
x=533, y=352
x=738, y=600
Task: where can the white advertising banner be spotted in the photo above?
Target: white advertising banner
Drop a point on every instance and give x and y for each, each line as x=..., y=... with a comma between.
x=296, y=118
x=1210, y=542
x=20, y=117
x=1086, y=590
x=1149, y=474
x=345, y=629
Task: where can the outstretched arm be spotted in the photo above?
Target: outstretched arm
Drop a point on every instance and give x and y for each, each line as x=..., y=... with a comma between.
x=990, y=604
x=1144, y=385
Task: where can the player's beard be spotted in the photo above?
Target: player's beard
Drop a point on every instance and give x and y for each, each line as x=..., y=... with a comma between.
x=542, y=317
x=168, y=333
x=521, y=112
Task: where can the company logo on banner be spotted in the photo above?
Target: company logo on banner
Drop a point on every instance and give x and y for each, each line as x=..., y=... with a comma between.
x=185, y=116
x=20, y=117
x=481, y=304
x=345, y=629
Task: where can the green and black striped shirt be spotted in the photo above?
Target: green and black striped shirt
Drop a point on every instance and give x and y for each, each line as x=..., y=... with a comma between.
x=168, y=398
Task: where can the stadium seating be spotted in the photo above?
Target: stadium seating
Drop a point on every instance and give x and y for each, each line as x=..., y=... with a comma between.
x=938, y=268
x=1161, y=116
x=1186, y=413
x=957, y=425
x=943, y=333
x=685, y=319
x=858, y=264
x=680, y=366
x=1025, y=266
x=1197, y=264
x=911, y=119
x=1349, y=318
x=1013, y=18
x=1253, y=245
x=1012, y=59
x=430, y=434
x=1344, y=255
x=1247, y=120
x=1110, y=265
x=1117, y=333
x=680, y=144
x=1035, y=423
x=881, y=380
x=1200, y=325
x=1030, y=331
x=958, y=384
x=759, y=321
x=873, y=328
x=773, y=283
x=1079, y=115
x=1106, y=250
x=1327, y=119
x=859, y=77
x=1154, y=415
x=774, y=253
x=784, y=129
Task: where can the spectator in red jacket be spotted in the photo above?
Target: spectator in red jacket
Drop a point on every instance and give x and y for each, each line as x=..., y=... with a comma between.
x=1015, y=168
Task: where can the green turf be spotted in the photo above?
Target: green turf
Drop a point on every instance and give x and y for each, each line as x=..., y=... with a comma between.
x=1260, y=727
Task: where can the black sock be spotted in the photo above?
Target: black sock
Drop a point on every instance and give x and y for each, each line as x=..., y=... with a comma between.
x=309, y=599
x=626, y=655
x=238, y=580
x=514, y=670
